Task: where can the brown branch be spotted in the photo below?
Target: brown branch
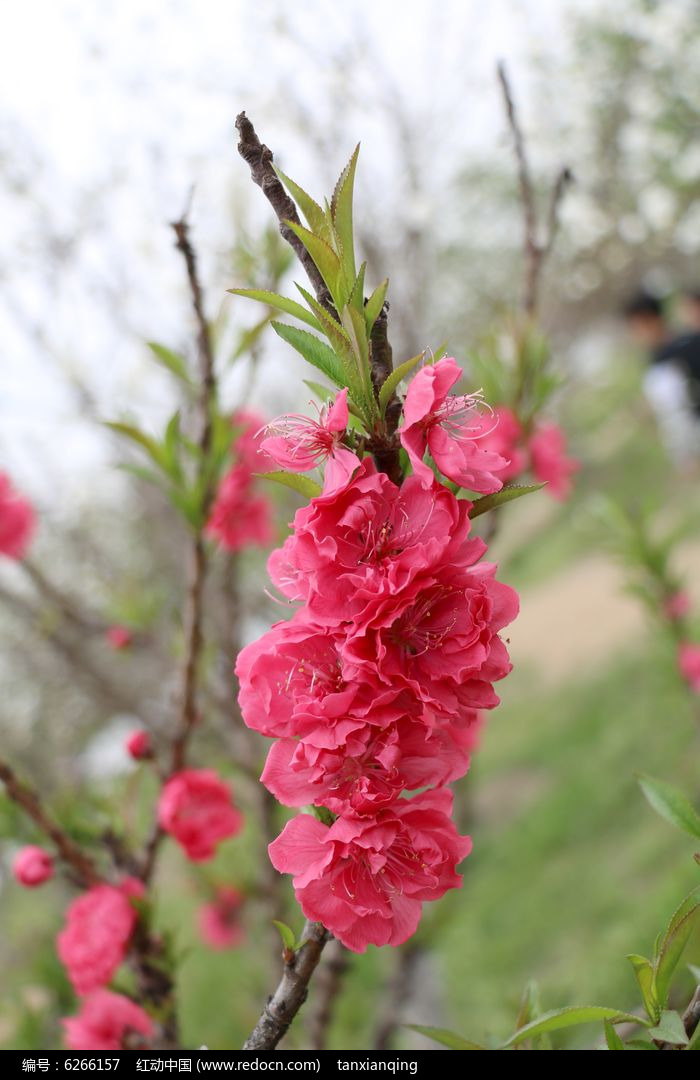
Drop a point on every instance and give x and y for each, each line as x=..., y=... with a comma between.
x=398, y=993
x=291, y=992
x=26, y=797
x=259, y=159
x=197, y=556
x=328, y=985
x=535, y=252
x=691, y=1016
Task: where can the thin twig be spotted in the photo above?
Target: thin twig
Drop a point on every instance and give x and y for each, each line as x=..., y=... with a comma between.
x=197, y=556
x=291, y=992
x=535, y=251
x=27, y=798
x=259, y=159
x=327, y=987
x=383, y=444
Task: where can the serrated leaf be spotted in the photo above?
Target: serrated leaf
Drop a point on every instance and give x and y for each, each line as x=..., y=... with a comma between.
x=499, y=498
x=669, y=1029
x=644, y=972
x=566, y=1018
x=170, y=360
x=671, y=804
x=612, y=1038
x=392, y=381
x=287, y=934
x=297, y=481
x=374, y=305
x=280, y=303
x=315, y=217
x=341, y=212
x=325, y=259
x=356, y=299
x=315, y=351
x=445, y=1037
x=673, y=942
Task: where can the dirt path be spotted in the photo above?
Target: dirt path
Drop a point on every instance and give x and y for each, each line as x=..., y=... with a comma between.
x=582, y=616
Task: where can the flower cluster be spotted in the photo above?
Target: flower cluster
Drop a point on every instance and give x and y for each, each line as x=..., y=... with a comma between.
x=95, y=939
x=373, y=688
x=543, y=450
x=240, y=516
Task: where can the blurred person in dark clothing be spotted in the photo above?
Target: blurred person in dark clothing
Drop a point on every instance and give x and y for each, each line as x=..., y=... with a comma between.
x=690, y=310
x=672, y=380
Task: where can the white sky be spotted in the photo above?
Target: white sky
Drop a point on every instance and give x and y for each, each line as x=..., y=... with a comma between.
x=111, y=110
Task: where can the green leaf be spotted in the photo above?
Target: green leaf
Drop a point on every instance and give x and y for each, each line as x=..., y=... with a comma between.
x=673, y=943
x=499, y=498
x=170, y=360
x=694, y=971
x=445, y=1037
x=694, y=1043
x=325, y=259
x=315, y=351
x=392, y=381
x=303, y=484
x=286, y=933
x=566, y=1018
x=356, y=298
x=671, y=804
x=341, y=211
x=640, y=1044
x=612, y=1038
x=280, y=303
x=644, y=971
x=135, y=435
x=375, y=304
x=323, y=393
x=669, y=1029
x=315, y=217
x=147, y=475
x=529, y=1010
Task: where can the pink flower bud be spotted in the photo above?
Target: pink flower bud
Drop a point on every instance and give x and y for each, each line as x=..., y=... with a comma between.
x=119, y=637
x=138, y=745
x=33, y=866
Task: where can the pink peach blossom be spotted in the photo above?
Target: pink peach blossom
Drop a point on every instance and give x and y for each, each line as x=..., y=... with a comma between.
x=365, y=878
x=369, y=539
x=689, y=664
x=107, y=1022
x=549, y=461
x=247, y=441
x=677, y=605
x=451, y=428
x=298, y=443
x=196, y=809
x=32, y=866
x=218, y=920
x=368, y=769
x=239, y=518
x=505, y=438
x=17, y=521
x=93, y=943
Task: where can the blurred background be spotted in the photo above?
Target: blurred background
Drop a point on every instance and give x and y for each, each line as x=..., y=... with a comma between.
x=112, y=118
